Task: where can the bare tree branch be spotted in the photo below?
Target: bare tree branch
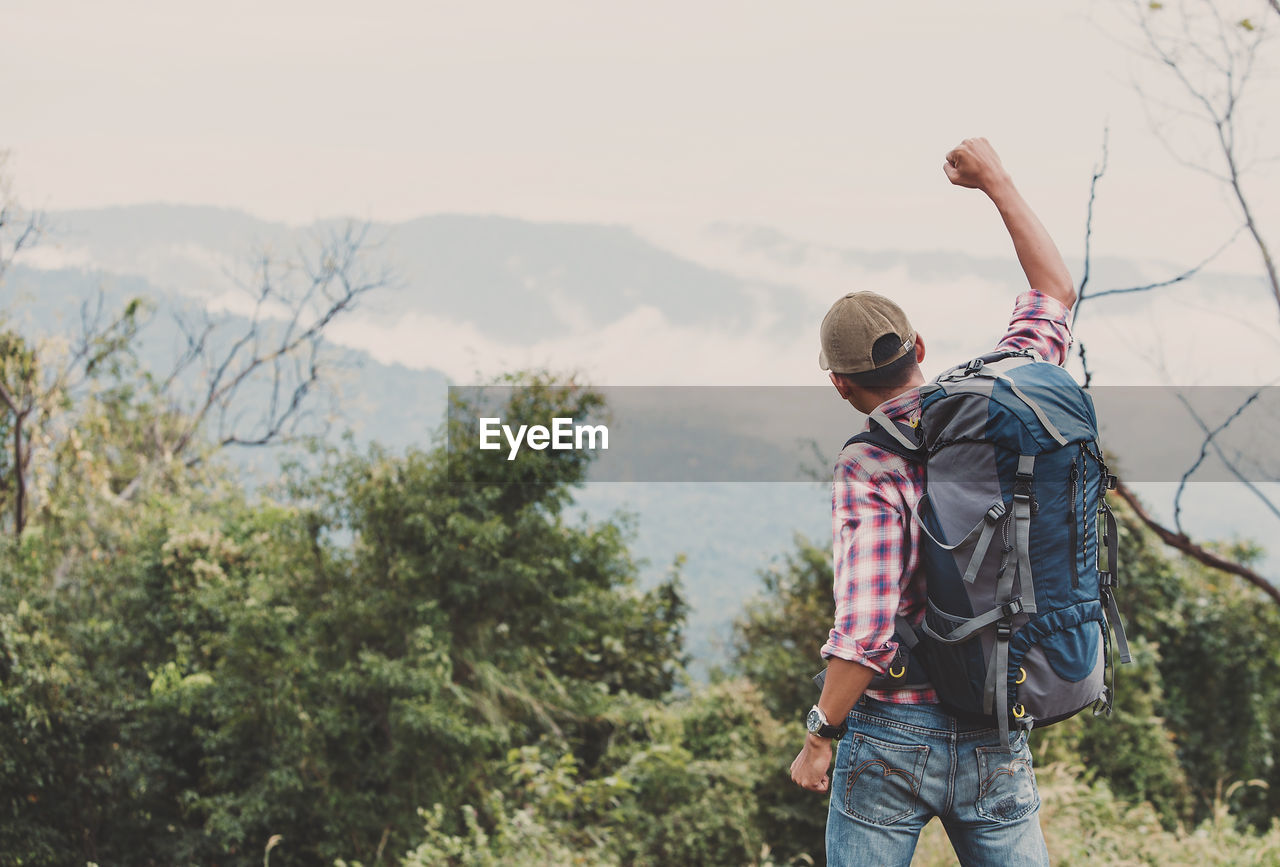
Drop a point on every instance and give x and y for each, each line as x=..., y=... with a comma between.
x=1099, y=169
x=196, y=341
x=1185, y=275
x=1250, y=222
x=1197, y=552
x=1239, y=44
x=1082, y=293
x=1210, y=435
x=278, y=348
x=1222, y=116
x=1210, y=442
x=28, y=225
x=99, y=341
x=277, y=421
x=17, y=395
x=1217, y=106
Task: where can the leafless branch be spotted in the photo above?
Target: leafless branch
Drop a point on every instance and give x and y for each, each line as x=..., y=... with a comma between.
x=1239, y=46
x=100, y=339
x=195, y=346
x=1185, y=275
x=1082, y=293
x=1218, y=107
x=278, y=347
x=1099, y=169
x=17, y=395
x=1206, y=445
x=26, y=225
x=1197, y=552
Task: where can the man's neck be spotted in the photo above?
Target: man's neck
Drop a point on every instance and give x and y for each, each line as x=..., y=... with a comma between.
x=884, y=395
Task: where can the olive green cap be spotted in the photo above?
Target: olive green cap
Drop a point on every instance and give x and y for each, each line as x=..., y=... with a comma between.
x=854, y=324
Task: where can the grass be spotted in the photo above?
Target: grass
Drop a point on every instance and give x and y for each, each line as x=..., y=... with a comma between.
x=1087, y=824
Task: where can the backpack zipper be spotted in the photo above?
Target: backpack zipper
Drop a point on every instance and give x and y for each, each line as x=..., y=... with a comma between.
x=1071, y=519
x=1085, y=454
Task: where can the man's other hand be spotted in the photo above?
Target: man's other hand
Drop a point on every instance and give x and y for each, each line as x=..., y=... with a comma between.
x=974, y=164
x=809, y=770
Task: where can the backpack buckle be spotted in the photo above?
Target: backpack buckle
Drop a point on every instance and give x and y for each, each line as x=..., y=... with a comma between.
x=1004, y=630
x=973, y=367
x=1022, y=488
x=995, y=513
x=1011, y=608
x=1106, y=579
x=1111, y=482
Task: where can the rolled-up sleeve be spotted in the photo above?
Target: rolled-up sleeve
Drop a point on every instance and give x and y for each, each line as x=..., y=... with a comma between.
x=1040, y=323
x=869, y=539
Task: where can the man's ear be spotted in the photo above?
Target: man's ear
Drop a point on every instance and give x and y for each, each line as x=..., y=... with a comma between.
x=840, y=384
x=919, y=349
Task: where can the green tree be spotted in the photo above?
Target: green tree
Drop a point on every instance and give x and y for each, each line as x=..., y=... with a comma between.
x=319, y=667
x=777, y=638
x=683, y=782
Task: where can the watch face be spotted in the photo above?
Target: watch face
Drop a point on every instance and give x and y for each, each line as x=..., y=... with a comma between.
x=814, y=720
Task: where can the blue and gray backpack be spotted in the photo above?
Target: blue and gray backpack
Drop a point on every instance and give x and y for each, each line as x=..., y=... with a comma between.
x=1020, y=613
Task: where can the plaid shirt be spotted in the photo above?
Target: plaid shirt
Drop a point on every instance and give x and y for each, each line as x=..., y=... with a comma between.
x=874, y=539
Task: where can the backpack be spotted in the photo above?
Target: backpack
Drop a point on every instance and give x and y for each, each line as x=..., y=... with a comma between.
x=1020, y=614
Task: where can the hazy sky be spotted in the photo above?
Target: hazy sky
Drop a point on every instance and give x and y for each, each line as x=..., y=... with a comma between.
x=826, y=119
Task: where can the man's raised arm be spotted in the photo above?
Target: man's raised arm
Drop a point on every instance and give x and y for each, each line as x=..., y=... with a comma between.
x=974, y=164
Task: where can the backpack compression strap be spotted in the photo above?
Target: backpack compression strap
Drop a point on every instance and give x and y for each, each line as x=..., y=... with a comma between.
x=995, y=690
x=1107, y=581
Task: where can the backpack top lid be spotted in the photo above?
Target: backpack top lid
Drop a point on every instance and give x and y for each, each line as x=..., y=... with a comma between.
x=1016, y=402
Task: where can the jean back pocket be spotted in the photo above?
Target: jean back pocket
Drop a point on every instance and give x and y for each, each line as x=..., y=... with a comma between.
x=882, y=780
x=1006, y=784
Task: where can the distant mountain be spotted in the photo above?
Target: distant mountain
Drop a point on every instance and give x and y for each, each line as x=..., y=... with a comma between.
x=512, y=279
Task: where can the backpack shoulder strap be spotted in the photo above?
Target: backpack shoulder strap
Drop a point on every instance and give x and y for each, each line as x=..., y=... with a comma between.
x=897, y=438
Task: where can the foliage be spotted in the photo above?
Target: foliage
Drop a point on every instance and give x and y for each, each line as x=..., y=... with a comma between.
x=41, y=719
x=777, y=638
x=682, y=783
x=205, y=672
x=1218, y=647
x=1087, y=823
x=1135, y=749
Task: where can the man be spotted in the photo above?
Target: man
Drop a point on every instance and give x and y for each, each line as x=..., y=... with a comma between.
x=904, y=759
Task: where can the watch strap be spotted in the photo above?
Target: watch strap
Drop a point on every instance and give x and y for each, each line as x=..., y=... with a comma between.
x=833, y=732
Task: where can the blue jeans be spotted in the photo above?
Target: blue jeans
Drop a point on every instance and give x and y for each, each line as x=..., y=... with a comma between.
x=898, y=766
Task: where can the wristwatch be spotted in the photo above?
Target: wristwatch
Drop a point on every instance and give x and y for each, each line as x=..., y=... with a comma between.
x=816, y=723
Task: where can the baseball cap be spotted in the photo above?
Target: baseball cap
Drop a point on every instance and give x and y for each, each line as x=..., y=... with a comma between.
x=854, y=324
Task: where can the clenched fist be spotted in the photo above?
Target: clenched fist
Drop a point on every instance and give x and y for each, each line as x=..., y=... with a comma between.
x=974, y=163
x=809, y=770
